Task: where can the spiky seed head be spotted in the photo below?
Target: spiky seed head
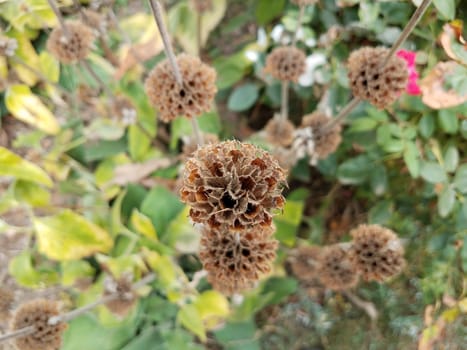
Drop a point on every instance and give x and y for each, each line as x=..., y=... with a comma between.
x=286, y=63
x=7, y=298
x=376, y=252
x=370, y=81
x=126, y=298
x=336, y=270
x=73, y=48
x=37, y=313
x=192, y=99
x=190, y=144
x=279, y=132
x=236, y=260
x=202, y=5
x=234, y=184
x=305, y=262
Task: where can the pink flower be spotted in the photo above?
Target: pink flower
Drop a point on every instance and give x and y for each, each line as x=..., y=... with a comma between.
x=409, y=57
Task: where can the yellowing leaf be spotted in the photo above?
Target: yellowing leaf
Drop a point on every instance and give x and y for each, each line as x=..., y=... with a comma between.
x=30, y=192
x=27, y=107
x=162, y=265
x=13, y=165
x=212, y=307
x=143, y=224
x=190, y=318
x=69, y=236
x=49, y=66
x=75, y=270
x=26, y=53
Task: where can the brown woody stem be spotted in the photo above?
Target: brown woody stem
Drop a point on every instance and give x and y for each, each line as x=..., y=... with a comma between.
x=55, y=9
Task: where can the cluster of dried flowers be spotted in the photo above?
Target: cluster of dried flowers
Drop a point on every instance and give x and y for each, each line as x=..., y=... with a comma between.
x=375, y=254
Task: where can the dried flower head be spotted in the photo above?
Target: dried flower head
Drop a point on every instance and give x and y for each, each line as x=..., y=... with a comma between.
x=190, y=144
x=192, y=99
x=305, y=262
x=125, y=296
x=202, y=5
x=7, y=46
x=336, y=270
x=232, y=183
x=279, y=132
x=236, y=260
x=371, y=81
x=73, y=48
x=303, y=144
x=325, y=141
x=96, y=21
x=37, y=313
x=304, y=2
x=376, y=252
x=286, y=63
x=123, y=110
x=7, y=298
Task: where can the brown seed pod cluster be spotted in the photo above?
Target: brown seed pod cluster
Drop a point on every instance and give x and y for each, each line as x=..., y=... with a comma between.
x=304, y=2
x=7, y=298
x=376, y=252
x=327, y=141
x=73, y=47
x=371, y=81
x=286, y=63
x=192, y=99
x=202, y=5
x=336, y=269
x=125, y=296
x=233, y=184
x=305, y=262
x=236, y=260
x=279, y=132
x=37, y=313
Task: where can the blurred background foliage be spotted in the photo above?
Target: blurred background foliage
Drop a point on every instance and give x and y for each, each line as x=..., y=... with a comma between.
x=83, y=193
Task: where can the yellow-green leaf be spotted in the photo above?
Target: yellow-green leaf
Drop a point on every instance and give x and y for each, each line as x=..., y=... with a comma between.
x=13, y=165
x=25, y=273
x=143, y=224
x=49, y=66
x=69, y=236
x=75, y=270
x=212, y=307
x=32, y=193
x=26, y=53
x=27, y=107
x=190, y=318
x=163, y=266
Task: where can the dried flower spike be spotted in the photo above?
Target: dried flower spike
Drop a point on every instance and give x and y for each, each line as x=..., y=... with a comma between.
x=336, y=270
x=305, y=262
x=286, y=63
x=236, y=260
x=126, y=296
x=37, y=313
x=192, y=99
x=376, y=252
x=73, y=48
x=7, y=297
x=234, y=184
x=279, y=132
x=371, y=81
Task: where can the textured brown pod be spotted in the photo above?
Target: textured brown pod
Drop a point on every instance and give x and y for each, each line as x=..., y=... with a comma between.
x=7, y=297
x=279, y=132
x=236, y=260
x=326, y=142
x=305, y=262
x=73, y=48
x=37, y=313
x=336, y=270
x=123, y=289
x=232, y=183
x=376, y=252
x=192, y=99
x=371, y=81
x=286, y=63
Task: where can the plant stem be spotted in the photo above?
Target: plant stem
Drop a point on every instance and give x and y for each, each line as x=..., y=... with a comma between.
x=366, y=306
x=284, y=101
x=18, y=333
x=97, y=79
x=55, y=9
x=199, y=23
x=157, y=12
x=299, y=24
x=197, y=131
x=342, y=115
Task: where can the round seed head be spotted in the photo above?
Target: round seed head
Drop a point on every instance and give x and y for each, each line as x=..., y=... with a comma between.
x=37, y=313
x=73, y=48
x=286, y=63
x=202, y=5
x=279, y=132
x=380, y=86
x=305, y=262
x=336, y=270
x=191, y=145
x=232, y=183
x=376, y=252
x=7, y=298
x=325, y=142
x=126, y=298
x=304, y=2
x=236, y=260
x=192, y=99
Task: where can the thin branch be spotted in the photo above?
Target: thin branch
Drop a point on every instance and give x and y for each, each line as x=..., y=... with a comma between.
x=197, y=131
x=55, y=9
x=97, y=79
x=366, y=306
x=299, y=25
x=17, y=334
x=199, y=24
x=157, y=12
x=285, y=101
x=342, y=115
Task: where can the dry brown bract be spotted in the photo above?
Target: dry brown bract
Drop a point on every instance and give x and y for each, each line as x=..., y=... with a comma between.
x=234, y=184
x=380, y=86
x=286, y=63
x=376, y=252
x=304, y=2
x=305, y=262
x=336, y=269
x=192, y=99
x=37, y=313
x=325, y=141
x=279, y=132
x=235, y=260
x=7, y=297
x=73, y=48
x=191, y=144
x=125, y=300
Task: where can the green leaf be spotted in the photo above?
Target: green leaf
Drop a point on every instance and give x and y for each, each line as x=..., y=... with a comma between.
x=280, y=287
x=426, y=126
x=381, y=213
x=22, y=269
x=447, y=8
x=446, y=201
x=182, y=234
x=379, y=180
x=363, y=124
x=267, y=10
x=243, y=97
x=451, y=159
x=190, y=318
x=354, y=171
x=448, y=121
x=143, y=224
x=238, y=336
x=32, y=193
x=411, y=158
x=13, y=165
x=212, y=306
x=287, y=223
x=68, y=236
x=75, y=270
x=433, y=172
x=232, y=68
x=460, y=179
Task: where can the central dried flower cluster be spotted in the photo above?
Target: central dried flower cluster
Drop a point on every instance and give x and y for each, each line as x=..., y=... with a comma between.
x=232, y=189
x=286, y=63
x=123, y=290
x=336, y=269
